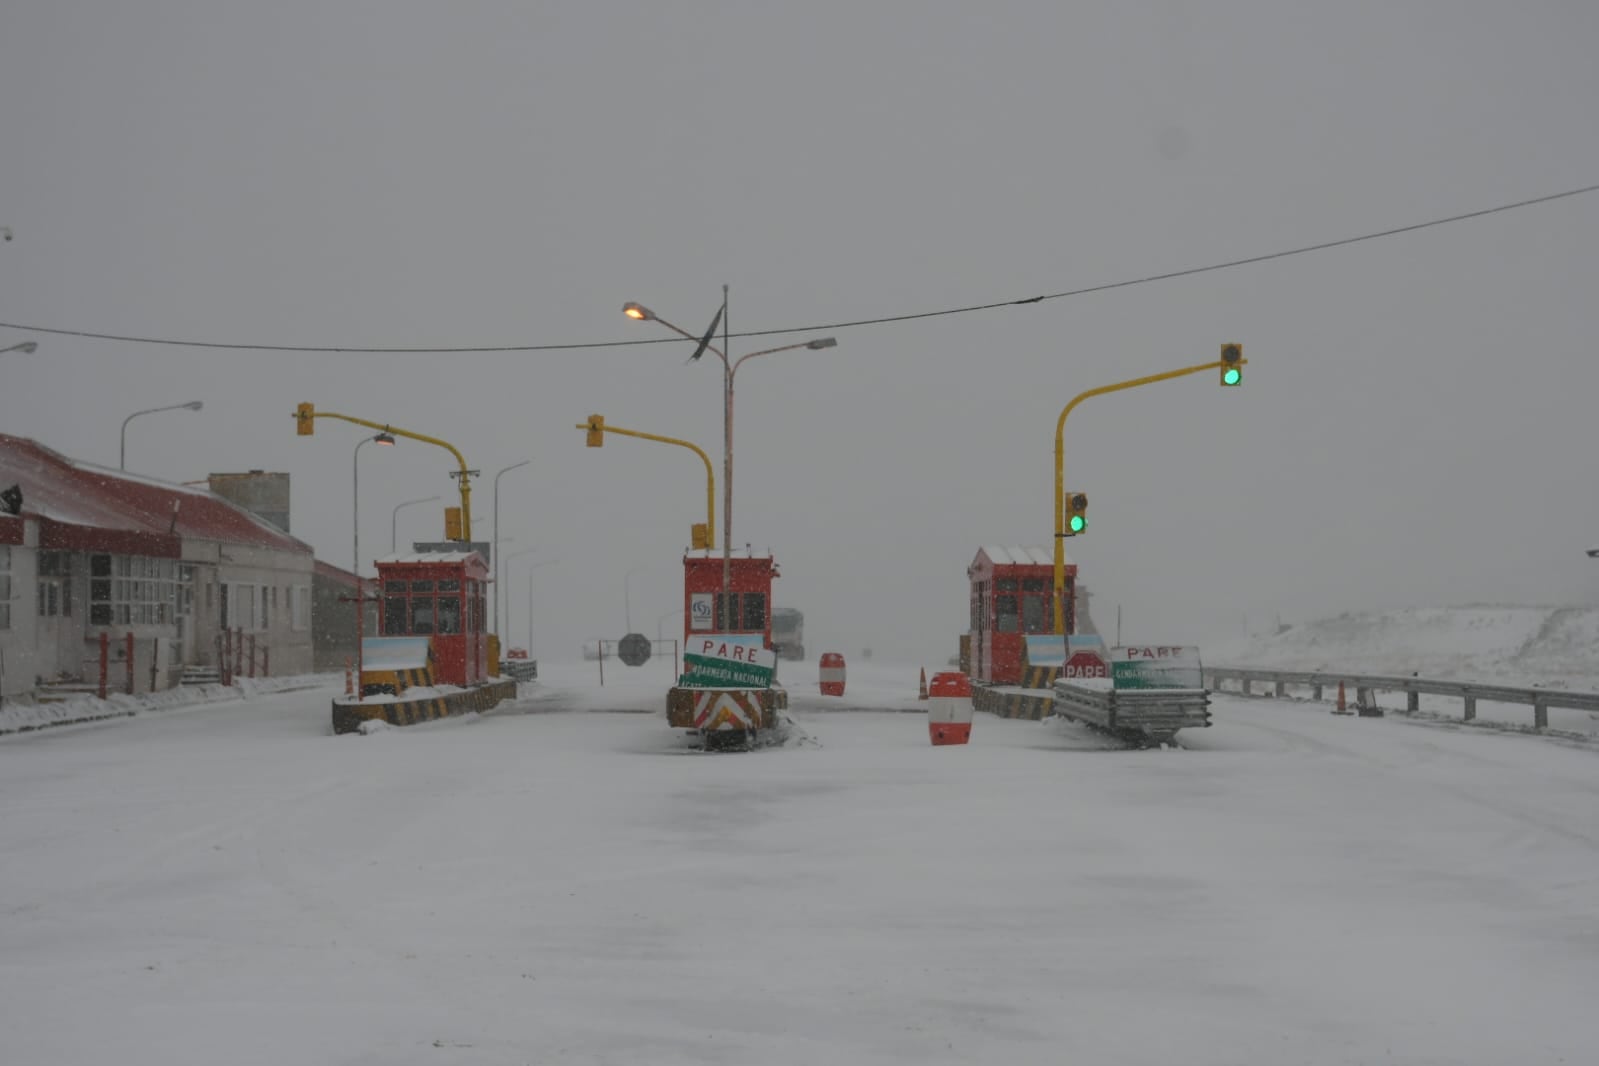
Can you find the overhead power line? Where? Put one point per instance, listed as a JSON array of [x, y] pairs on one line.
[[880, 320]]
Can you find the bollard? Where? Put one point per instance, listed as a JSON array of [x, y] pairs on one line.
[[349, 680], [130, 664], [105, 662], [949, 709], [921, 692], [252, 655], [832, 674]]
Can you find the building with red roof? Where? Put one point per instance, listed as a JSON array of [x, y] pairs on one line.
[[86, 550]]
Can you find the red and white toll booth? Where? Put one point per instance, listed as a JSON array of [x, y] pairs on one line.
[[439, 595], [748, 610], [1010, 599]]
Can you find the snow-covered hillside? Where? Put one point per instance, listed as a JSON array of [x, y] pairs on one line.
[[1556, 647]]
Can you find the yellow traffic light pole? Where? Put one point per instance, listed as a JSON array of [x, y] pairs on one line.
[[306, 412], [596, 428], [1060, 467]]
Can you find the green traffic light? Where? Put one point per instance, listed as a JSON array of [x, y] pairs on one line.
[[1232, 376], [1078, 523]]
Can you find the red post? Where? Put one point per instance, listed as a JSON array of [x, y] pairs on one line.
[[238, 649], [227, 656], [130, 664], [252, 656], [602, 663], [349, 682], [105, 662], [266, 661]]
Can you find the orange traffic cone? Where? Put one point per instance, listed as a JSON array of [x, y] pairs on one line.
[[922, 695], [1342, 708]]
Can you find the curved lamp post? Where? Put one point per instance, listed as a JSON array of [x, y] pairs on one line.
[[122, 459], [386, 440], [25, 347], [502, 470], [639, 313]]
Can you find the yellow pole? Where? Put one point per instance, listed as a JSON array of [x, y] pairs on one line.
[[466, 486], [1060, 471], [710, 475]]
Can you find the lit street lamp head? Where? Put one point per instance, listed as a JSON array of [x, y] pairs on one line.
[[825, 342], [384, 438], [637, 312]]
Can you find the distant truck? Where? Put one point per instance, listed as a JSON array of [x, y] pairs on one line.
[[788, 633]]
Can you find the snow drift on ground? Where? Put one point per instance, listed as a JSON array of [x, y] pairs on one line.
[[1551, 647]]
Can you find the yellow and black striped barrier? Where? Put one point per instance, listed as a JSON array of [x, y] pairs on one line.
[[349, 715], [1031, 705]]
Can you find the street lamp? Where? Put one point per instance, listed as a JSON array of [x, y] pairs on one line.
[[663, 618], [394, 521], [513, 557], [503, 470], [639, 313], [531, 652], [26, 347], [387, 440], [122, 462]]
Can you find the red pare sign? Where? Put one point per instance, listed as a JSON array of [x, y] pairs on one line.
[[1085, 664]]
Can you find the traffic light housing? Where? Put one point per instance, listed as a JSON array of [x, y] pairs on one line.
[[305, 419], [700, 536], [596, 428], [452, 523], [1232, 364], [1076, 513]]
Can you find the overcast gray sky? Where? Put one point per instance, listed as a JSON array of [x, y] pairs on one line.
[[1415, 426]]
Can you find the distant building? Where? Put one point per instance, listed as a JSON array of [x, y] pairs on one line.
[[86, 550], [333, 616]]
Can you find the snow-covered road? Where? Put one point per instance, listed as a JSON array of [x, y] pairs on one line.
[[232, 884]]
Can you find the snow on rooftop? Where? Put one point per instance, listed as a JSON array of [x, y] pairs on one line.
[[427, 557], [1004, 555]]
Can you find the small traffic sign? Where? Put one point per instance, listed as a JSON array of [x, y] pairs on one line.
[[1085, 664], [633, 649]]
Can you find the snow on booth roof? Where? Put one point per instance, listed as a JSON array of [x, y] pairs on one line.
[[428, 557], [1005, 555], [736, 553]]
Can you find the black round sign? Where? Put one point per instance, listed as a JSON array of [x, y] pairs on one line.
[[633, 649]]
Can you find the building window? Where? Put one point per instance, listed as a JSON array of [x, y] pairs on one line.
[[299, 599], [55, 584], [394, 616], [132, 590]]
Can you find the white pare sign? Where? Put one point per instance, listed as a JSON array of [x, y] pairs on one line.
[[1167, 654]]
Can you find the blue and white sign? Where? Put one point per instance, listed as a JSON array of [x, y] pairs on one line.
[[700, 608]]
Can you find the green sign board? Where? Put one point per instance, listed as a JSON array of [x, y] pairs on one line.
[[727, 660], [1155, 666]]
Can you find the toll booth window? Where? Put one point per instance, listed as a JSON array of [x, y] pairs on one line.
[[1035, 606], [421, 615], [1005, 613], [725, 624], [755, 610], [421, 586], [449, 585], [394, 614], [449, 614], [394, 588]]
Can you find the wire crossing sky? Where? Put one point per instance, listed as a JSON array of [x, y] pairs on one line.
[[883, 320]]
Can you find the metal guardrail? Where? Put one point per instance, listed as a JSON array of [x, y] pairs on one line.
[[1156, 713], [1468, 692]]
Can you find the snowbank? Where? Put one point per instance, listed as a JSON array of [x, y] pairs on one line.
[[29, 717]]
